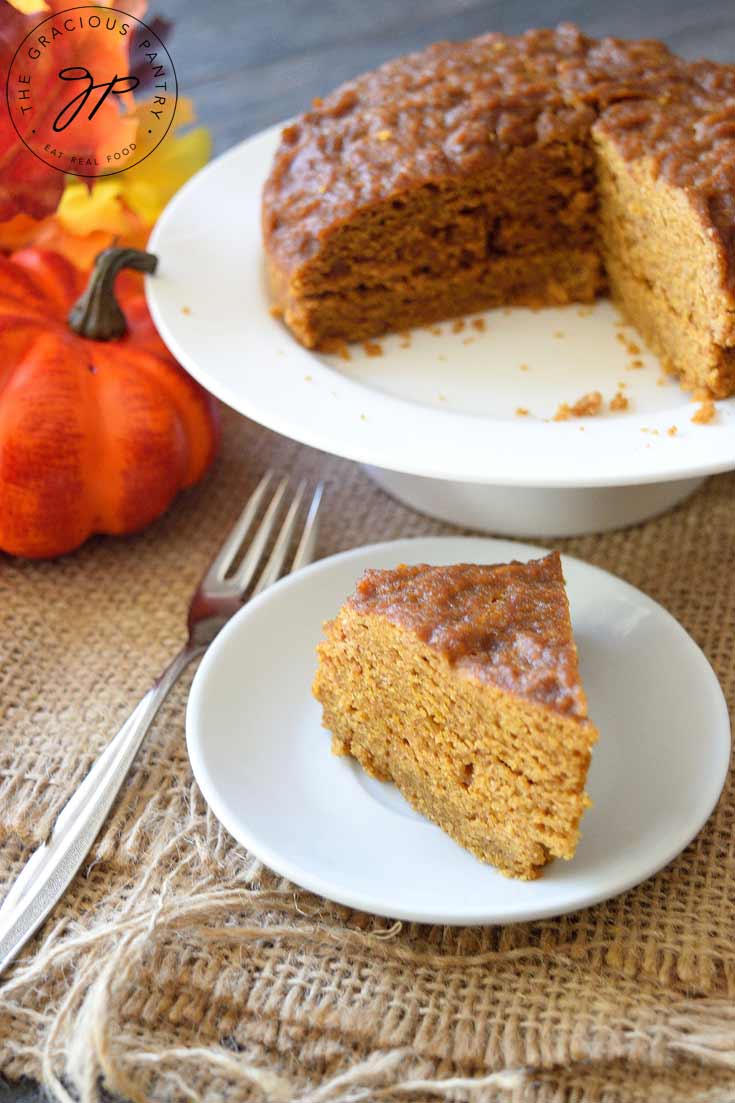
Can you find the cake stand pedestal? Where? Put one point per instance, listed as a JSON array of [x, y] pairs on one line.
[[534, 511]]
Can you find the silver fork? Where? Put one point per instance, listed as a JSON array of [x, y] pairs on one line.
[[220, 593]]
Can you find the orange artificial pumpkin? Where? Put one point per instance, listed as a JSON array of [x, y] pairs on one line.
[[99, 426]]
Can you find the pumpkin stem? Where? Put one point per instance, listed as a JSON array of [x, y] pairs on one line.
[[97, 314]]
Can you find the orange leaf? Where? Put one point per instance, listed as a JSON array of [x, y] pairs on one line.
[[27, 184]]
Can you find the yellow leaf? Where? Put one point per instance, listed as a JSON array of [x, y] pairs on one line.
[[149, 185], [29, 7], [144, 189], [81, 211]]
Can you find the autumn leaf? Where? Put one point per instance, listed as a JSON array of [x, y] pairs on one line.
[[141, 69], [27, 184], [120, 208], [143, 190], [80, 217], [29, 7]]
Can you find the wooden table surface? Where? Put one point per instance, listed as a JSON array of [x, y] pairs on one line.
[[247, 64]]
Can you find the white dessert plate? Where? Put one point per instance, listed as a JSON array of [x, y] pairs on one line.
[[263, 761], [443, 407]]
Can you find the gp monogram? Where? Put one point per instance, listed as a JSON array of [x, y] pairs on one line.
[[70, 91]]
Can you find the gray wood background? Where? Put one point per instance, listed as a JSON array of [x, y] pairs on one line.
[[250, 63]]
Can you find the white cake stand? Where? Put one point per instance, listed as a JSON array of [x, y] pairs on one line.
[[437, 418]]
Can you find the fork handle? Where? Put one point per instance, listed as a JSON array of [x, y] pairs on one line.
[[52, 867]]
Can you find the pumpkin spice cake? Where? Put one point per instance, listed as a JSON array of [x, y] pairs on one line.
[[461, 685], [534, 170]]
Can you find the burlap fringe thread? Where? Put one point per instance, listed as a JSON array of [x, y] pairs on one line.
[[86, 1042]]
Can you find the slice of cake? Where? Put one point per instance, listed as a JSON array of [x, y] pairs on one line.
[[461, 685]]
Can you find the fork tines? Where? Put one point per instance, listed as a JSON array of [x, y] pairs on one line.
[[241, 578]]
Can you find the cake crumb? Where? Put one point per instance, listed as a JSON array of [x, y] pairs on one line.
[[521, 411], [307, 379], [442, 397], [458, 325], [559, 333], [187, 310], [336, 345], [705, 413], [479, 324], [584, 311], [619, 402], [630, 346], [275, 311], [468, 341], [672, 431], [372, 348], [523, 367], [589, 405], [442, 357], [435, 331]]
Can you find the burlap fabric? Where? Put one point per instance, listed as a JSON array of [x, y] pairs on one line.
[[179, 968]]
